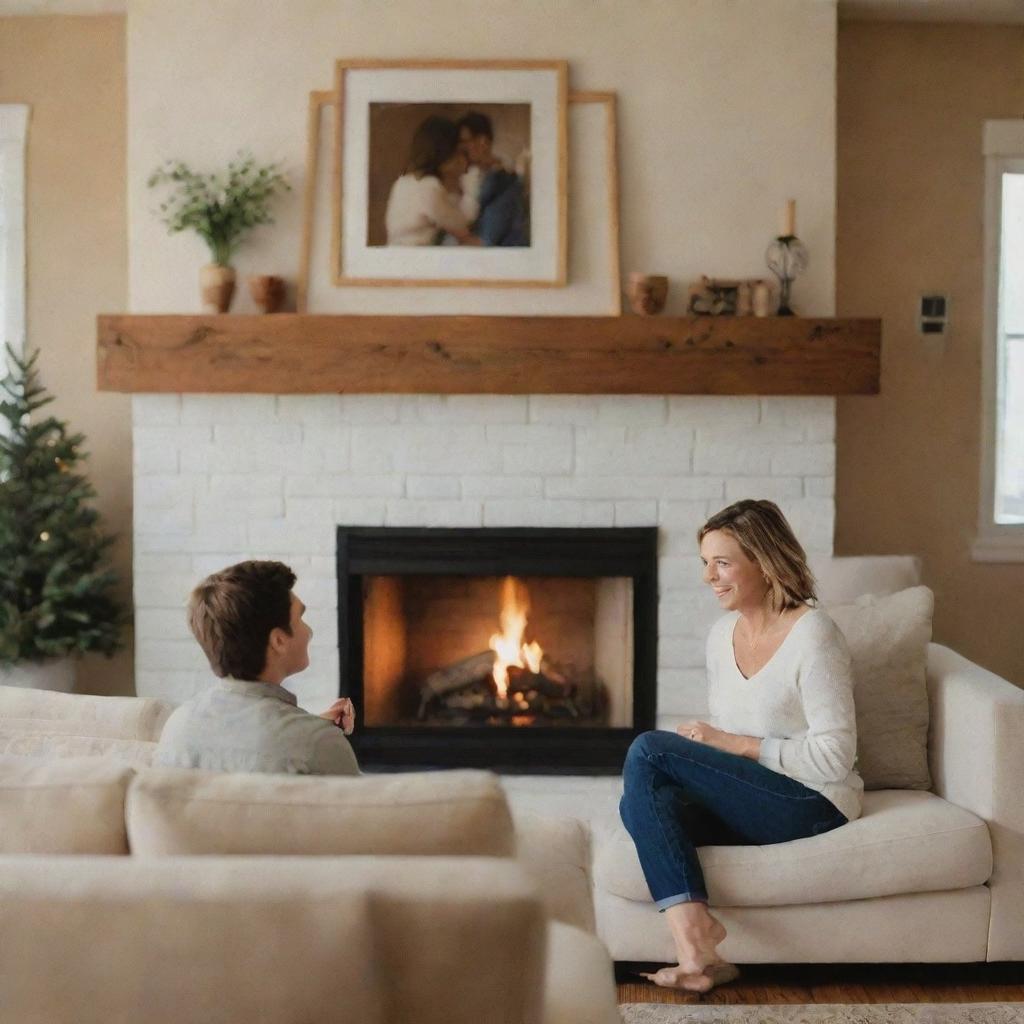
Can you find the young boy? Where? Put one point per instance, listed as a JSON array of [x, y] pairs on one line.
[[249, 624]]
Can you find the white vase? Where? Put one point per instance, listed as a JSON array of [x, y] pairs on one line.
[[54, 674]]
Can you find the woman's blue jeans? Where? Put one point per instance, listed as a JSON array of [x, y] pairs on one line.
[[681, 794]]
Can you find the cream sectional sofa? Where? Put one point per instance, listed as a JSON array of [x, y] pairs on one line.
[[167, 895], [923, 876], [920, 877]]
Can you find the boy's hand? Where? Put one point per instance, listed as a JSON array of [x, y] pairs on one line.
[[342, 714]]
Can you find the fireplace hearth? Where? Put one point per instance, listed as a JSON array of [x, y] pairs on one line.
[[512, 649]]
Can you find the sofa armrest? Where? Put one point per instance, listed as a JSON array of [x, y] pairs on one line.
[[579, 985], [555, 852], [976, 749]]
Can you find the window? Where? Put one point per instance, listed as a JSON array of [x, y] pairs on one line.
[[13, 127], [1009, 492], [1001, 508]]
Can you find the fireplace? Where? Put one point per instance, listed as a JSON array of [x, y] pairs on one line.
[[513, 649]]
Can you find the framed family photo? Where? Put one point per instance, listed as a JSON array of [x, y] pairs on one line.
[[450, 173], [594, 282]]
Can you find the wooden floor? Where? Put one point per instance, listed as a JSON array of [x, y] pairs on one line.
[[843, 983]]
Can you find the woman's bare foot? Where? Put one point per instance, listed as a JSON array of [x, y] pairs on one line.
[[696, 934], [719, 973], [674, 977]]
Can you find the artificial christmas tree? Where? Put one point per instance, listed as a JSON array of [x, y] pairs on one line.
[[56, 590]]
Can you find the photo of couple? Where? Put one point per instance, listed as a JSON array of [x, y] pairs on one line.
[[444, 174]]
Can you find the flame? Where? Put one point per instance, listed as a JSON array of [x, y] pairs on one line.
[[532, 654], [508, 645]]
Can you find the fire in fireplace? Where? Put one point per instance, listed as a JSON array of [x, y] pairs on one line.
[[512, 649], [461, 671]]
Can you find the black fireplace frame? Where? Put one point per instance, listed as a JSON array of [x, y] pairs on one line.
[[488, 551]]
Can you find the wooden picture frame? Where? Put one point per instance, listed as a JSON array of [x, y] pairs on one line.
[[387, 222], [594, 284]]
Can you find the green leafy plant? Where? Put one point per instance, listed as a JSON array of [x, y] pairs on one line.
[[221, 207], [55, 587]]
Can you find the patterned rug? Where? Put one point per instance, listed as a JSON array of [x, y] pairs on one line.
[[826, 1013]]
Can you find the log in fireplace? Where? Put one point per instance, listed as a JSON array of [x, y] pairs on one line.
[[514, 649]]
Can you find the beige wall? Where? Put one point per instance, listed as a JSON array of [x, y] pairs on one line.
[[716, 129], [911, 100], [911, 103], [71, 71]]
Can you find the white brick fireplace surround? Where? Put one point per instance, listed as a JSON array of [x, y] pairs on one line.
[[221, 478]]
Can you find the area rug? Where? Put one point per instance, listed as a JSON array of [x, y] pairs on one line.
[[825, 1013]]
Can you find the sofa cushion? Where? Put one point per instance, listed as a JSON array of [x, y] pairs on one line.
[[67, 806], [60, 738], [128, 718], [181, 811], [905, 842], [888, 639], [844, 579]]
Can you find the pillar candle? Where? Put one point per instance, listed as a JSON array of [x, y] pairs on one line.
[[789, 218]]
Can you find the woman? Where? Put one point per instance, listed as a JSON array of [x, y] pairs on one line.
[[777, 765], [420, 206]]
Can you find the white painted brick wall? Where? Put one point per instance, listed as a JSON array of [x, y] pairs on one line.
[[712, 412], [223, 478]]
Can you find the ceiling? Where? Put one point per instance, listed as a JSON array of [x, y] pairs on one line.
[[15, 7], [993, 11], [1003, 12]]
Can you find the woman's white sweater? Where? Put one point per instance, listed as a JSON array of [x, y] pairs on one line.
[[419, 209], [800, 704]]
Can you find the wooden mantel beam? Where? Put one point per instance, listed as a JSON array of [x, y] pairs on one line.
[[291, 353]]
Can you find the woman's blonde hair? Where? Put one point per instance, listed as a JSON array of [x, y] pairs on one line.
[[764, 535]]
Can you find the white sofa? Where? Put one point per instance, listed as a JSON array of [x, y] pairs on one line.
[[922, 877], [171, 895]]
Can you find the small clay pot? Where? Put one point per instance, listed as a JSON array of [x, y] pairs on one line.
[[647, 293], [217, 287], [267, 292]]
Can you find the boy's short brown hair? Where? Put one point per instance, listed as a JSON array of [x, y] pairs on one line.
[[476, 124], [232, 612]]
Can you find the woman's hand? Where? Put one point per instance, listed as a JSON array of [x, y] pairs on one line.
[[730, 742], [342, 714]]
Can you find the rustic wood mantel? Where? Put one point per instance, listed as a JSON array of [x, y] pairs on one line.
[[291, 353]]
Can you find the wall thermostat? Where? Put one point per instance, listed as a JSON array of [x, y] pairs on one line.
[[933, 315]]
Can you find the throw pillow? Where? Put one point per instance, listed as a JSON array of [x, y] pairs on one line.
[[888, 639], [176, 811], [41, 738], [64, 806], [128, 718]]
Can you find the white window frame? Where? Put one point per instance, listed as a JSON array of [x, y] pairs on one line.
[[1003, 148], [13, 135]]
